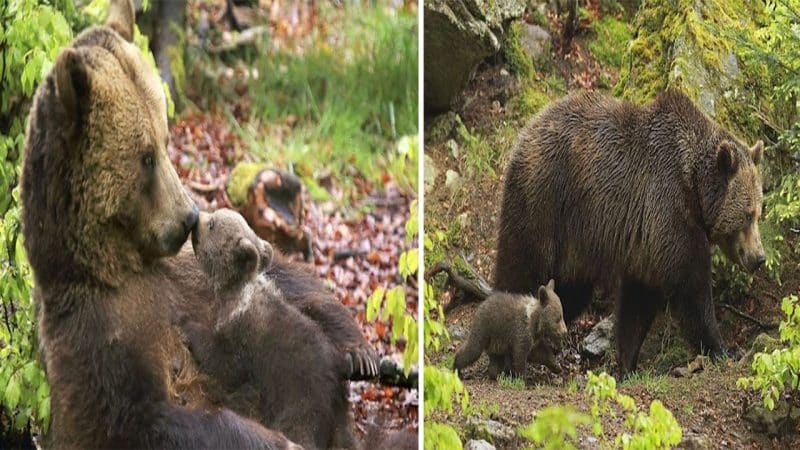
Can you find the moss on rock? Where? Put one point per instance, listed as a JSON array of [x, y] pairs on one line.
[[240, 180], [689, 45], [516, 57]]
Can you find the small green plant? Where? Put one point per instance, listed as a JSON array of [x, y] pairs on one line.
[[391, 303], [655, 429], [555, 428], [509, 382], [779, 371]]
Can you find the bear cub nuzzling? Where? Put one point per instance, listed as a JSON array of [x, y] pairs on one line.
[[281, 356], [514, 328]]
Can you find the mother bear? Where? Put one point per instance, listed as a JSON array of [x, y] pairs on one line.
[[604, 192], [103, 214]]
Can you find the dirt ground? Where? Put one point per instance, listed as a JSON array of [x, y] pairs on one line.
[[461, 217]]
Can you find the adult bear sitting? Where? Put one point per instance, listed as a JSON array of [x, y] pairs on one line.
[[102, 209]]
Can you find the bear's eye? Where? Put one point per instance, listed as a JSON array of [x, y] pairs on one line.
[[148, 161]]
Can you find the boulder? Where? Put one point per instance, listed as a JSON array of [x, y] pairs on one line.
[[536, 42], [597, 342], [458, 35], [491, 431], [479, 444]]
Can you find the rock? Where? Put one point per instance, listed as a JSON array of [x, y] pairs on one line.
[[536, 42], [694, 441], [441, 128], [490, 430], [480, 444], [699, 364], [458, 35], [680, 372], [504, 73], [783, 417], [431, 172], [763, 343], [452, 145], [599, 339], [452, 181]]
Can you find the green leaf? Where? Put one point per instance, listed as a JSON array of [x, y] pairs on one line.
[[12, 393]]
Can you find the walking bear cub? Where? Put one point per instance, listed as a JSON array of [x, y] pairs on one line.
[[513, 328], [260, 345]]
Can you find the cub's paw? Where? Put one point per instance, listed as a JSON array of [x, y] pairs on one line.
[[361, 363]]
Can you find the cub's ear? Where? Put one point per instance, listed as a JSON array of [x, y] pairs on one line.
[[551, 285], [72, 81], [121, 17], [266, 254], [727, 162], [542, 296], [757, 151], [246, 256]]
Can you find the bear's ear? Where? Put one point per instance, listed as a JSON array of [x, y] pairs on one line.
[[266, 254], [542, 296], [551, 285], [246, 256], [727, 162], [72, 81], [757, 151], [121, 17]]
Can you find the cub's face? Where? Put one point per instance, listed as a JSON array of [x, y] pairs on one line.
[[736, 227], [551, 326], [228, 250]]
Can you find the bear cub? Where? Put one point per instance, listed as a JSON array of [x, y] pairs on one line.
[[513, 329], [262, 346]]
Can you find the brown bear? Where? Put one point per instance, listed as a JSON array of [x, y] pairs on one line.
[[101, 206], [601, 192], [281, 356], [513, 329]]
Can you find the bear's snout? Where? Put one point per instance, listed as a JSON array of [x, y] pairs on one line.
[[190, 221]]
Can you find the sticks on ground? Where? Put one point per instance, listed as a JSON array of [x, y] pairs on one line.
[[763, 325], [472, 288]]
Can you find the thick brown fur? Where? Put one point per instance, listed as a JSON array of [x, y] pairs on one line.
[[512, 329], [101, 207], [279, 356], [601, 192]]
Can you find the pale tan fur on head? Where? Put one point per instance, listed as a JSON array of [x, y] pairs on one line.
[[130, 205], [736, 227]]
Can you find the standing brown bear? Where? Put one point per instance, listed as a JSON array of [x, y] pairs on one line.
[[102, 208], [512, 329], [283, 359], [600, 191]]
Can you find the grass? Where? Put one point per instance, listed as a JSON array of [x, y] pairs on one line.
[[353, 99], [345, 104], [509, 382], [656, 385]]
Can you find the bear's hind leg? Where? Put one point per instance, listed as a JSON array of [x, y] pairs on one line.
[[469, 352], [636, 309]]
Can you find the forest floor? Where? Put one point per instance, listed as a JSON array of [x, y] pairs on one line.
[[462, 202]]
